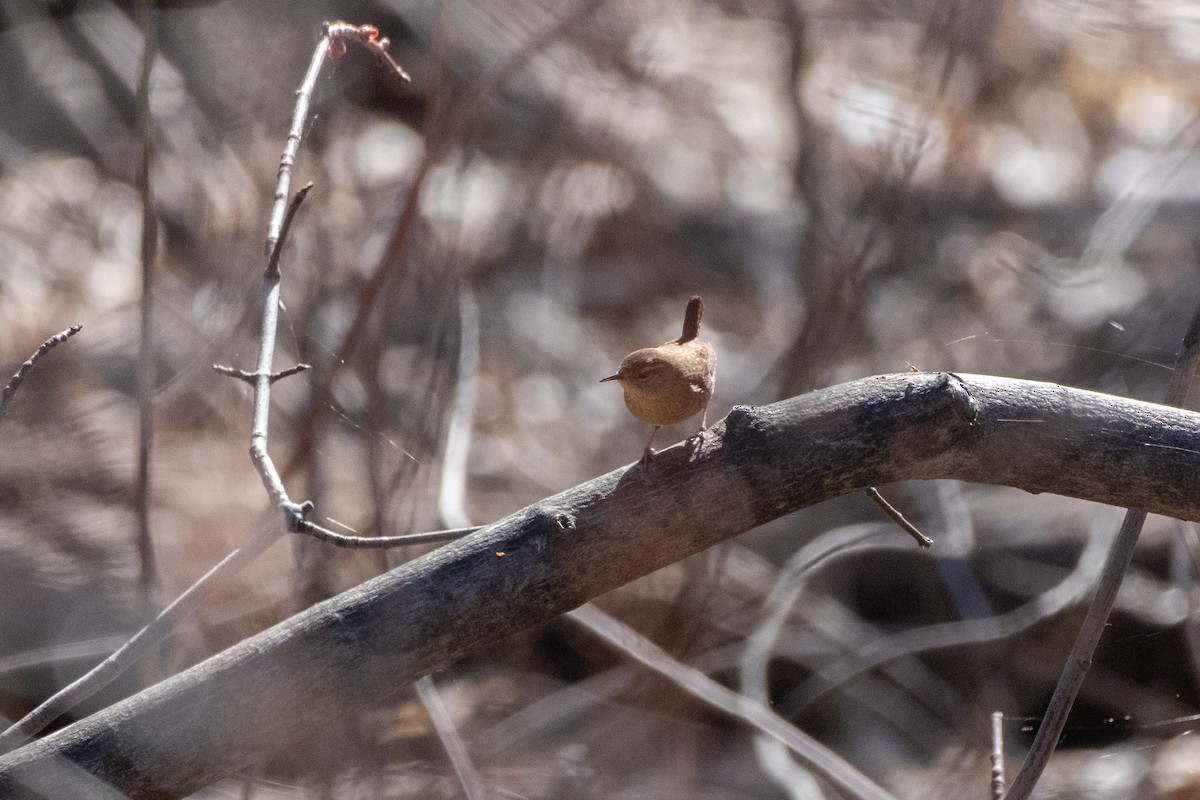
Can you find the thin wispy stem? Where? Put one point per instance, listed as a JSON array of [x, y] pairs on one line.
[[14, 383]]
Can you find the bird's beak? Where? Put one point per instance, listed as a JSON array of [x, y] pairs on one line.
[[616, 377]]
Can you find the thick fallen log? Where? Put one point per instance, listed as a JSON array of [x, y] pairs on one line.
[[305, 679]]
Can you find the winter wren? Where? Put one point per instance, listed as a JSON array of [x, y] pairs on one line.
[[669, 383]]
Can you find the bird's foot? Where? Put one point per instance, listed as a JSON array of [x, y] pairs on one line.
[[647, 459]]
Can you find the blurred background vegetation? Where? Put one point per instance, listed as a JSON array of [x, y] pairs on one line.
[[854, 187]]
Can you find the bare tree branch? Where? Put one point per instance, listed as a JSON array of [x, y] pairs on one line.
[[313, 672]]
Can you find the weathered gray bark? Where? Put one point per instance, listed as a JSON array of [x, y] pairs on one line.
[[316, 670]]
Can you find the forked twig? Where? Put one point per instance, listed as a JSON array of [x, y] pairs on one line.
[[443, 131], [282, 214], [332, 45], [285, 227], [251, 377], [14, 383]]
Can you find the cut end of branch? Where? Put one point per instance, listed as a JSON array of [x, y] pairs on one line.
[[924, 541]]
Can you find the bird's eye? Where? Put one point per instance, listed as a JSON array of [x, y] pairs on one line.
[[644, 372]]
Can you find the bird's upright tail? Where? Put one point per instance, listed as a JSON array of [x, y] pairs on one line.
[[691, 319]]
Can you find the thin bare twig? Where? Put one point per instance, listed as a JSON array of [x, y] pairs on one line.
[[453, 489], [367, 36], [452, 509], [288, 217], [875, 650], [67, 651], [128, 654], [456, 749], [332, 44], [14, 383], [146, 349], [288, 160], [760, 645], [898, 518], [250, 377], [819, 759], [379, 542], [1079, 661]]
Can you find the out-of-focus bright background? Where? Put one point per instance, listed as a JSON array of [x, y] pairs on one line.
[[854, 188]]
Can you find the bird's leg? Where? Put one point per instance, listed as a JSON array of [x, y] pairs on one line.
[[694, 441], [648, 454]]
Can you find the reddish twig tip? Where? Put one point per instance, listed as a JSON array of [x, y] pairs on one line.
[[367, 36]]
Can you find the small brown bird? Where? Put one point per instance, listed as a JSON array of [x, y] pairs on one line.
[[667, 384]]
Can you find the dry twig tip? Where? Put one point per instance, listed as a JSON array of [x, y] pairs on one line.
[[17, 379], [367, 36]]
